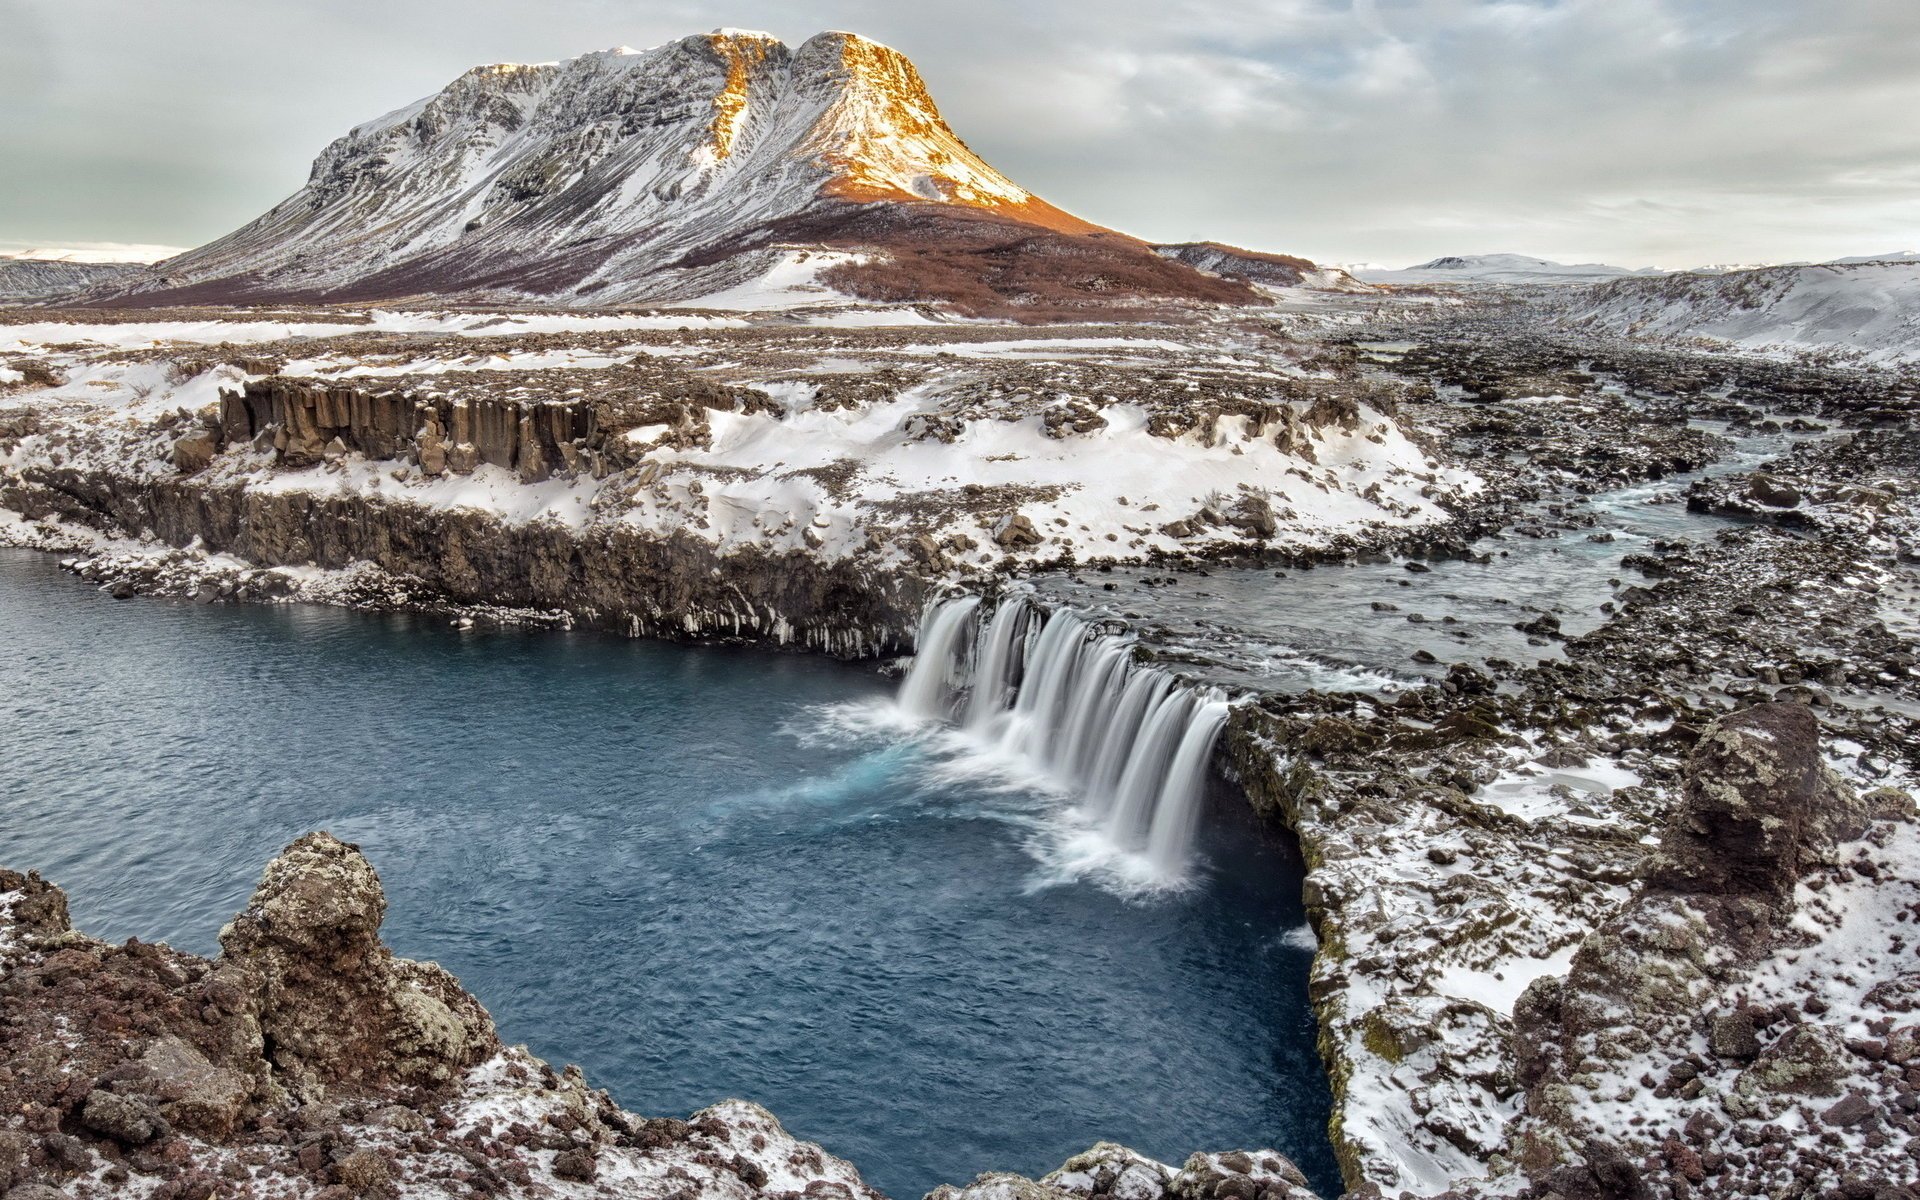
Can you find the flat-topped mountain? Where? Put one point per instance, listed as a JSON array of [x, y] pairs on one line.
[[672, 174]]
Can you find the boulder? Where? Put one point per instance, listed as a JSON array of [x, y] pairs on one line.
[[194, 451], [1253, 515], [1241, 1175], [1106, 1169], [194, 1094], [1767, 490], [1759, 808], [1012, 532], [130, 1119]]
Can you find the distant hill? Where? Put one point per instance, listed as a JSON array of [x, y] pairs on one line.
[[1469, 269]]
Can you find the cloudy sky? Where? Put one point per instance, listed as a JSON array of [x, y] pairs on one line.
[[1641, 132]]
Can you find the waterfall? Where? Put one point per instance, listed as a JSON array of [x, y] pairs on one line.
[[1178, 809], [937, 670], [997, 664], [1132, 741], [1146, 770]]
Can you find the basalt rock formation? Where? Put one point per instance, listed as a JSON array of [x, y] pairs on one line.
[[669, 175]]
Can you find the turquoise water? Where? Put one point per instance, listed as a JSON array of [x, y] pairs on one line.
[[697, 872]]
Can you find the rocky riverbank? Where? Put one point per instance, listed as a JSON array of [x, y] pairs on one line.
[[307, 1060], [1520, 976]]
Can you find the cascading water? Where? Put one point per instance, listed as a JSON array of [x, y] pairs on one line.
[[998, 663], [1131, 740], [945, 632], [1178, 810]]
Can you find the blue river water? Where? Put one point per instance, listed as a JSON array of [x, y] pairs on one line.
[[697, 872]]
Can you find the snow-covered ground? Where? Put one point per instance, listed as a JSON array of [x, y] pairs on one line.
[[949, 438]]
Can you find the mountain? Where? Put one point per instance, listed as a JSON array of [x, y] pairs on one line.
[[1894, 256], [667, 175], [1271, 271], [1869, 309], [1472, 269], [25, 280]]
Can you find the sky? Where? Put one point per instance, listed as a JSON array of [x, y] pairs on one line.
[[1668, 133]]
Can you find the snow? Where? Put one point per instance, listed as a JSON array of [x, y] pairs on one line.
[[1499, 986], [31, 337], [1868, 311], [487, 488], [95, 253], [791, 282], [1534, 792], [1109, 482]]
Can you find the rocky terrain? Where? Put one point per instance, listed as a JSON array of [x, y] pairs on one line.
[[1547, 895], [1621, 915]]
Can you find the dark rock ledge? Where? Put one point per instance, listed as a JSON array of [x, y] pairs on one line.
[[308, 1060]]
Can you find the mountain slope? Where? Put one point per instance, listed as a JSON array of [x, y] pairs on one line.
[[38, 280], [664, 175], [1273, 271], [1870, 309]]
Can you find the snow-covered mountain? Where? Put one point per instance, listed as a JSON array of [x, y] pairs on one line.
[[1870, 309], [1496, 268], [668, 175], [1893, 256]]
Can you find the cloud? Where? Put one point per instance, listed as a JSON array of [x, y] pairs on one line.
[[1670, 131]]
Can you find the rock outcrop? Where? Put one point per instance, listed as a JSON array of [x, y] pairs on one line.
[[336, 1005], [310, 1061]]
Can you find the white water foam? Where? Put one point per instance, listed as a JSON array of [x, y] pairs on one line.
[[1055, 705]]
